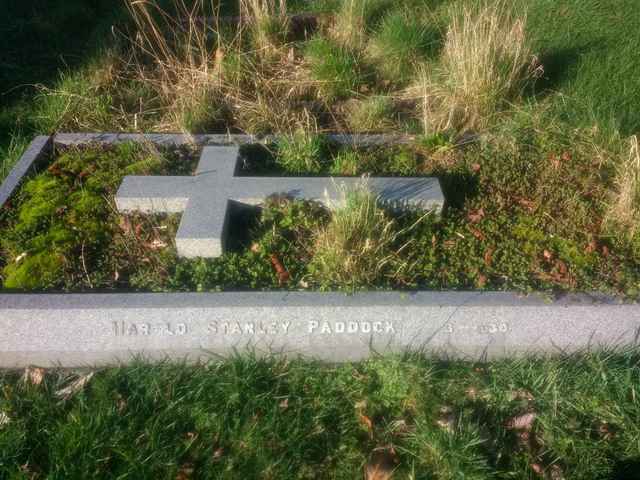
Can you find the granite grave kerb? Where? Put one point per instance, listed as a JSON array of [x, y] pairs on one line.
[[75, 330], [203, 199]]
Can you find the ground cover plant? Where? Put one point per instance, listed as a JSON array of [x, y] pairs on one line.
[[575, 418], [529, 209]]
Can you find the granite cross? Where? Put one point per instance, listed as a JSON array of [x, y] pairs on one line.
[[203, 199]]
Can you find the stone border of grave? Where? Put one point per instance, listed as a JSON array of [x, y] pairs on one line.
[[76, 330]]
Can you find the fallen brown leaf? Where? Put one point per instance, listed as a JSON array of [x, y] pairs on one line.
[[75, 386], [475, 216], [477, 233], [381, 465], [537, 468], [521, 422], [488, 256], [367, 422], [281, 272], [33, 375]]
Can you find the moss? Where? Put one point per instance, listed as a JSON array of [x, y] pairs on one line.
[[63, 223], [38, 271]]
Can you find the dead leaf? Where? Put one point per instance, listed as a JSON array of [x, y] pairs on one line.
[[528, 205], [481, 281], [381, 465], [477, 233], [476, 167], [537, 468], [284, 404], [4, 419], [605, 251], [282, 273], [488, 256], [556, 473], [75, 386], [367, 422], [521, 422], [217, 453], [157, 244], [591, 247], [475, 216], [33, 375], [185, 472]]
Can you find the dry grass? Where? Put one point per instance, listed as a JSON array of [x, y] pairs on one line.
[[178, 55], [624, 211], [269, 22], [485, 64], [359, 247]]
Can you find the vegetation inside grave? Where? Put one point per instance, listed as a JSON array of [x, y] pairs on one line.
[[575, 418], [528, 209]]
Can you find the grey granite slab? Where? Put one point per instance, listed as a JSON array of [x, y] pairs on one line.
[[36, 151], [76, 139], [204, 197], [74, 330]]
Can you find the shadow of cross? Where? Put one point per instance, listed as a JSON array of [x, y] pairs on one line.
[[203, 199]]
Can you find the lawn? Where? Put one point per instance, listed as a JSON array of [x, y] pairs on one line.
[[573, 418]]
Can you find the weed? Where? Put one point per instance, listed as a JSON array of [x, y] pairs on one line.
[[334, 68], [268, 21], [624, 210], [358, 247], [398, 46], [302, 152], [372, 114], [485, 63]]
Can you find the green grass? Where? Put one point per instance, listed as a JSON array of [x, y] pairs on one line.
[[248, 418], [335, 68]]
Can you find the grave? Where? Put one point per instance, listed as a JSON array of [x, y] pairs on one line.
[[102, 328], [203, 199]]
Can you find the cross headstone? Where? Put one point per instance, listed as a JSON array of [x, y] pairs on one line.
[[203, 199]]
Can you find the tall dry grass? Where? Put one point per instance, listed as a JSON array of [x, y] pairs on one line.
[[485, 63], [624, 211], [178, 55], [268, 21]]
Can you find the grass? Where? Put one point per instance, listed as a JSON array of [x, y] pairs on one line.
[[573, 417], [485, 64], [335, 68]]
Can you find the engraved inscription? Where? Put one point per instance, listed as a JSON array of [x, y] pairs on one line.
[[132, 329], [253, 328], [486, 328], [350, 327], [248, 328]]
